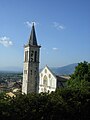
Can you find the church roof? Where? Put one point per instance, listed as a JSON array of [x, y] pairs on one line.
[[10, 94], [46, 67], [32, 39], [59, 78]]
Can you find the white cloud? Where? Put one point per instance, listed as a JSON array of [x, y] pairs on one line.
[[61, 27], [29, 24], [55, 48], [58, 26], [5, 41]]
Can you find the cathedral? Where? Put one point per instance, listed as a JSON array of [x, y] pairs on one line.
[[33, 81]]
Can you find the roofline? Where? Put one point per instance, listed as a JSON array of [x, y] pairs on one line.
[[29, 45], [49, 70]]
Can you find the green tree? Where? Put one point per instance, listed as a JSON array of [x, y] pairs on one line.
[[81, 77], [69, 103], [82, 71]]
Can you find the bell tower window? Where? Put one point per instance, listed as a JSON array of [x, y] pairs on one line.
[[26, 56], [35, 58]]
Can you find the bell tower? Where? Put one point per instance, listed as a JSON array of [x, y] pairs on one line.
[[30, 82]]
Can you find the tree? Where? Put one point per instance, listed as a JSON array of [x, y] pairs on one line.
[[69, 103], [82, 71], [81, 77]]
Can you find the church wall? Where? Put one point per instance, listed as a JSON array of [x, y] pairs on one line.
[[47, 81]]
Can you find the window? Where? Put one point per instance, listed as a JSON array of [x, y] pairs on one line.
[[45, 71], [26, 56], [31, 72], [35, 57], [32, 53], [25, 71], [45, 80], [35, 72], [41, 75], [49, 75]]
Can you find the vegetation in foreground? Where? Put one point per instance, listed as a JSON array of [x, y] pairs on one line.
[[69, 103]]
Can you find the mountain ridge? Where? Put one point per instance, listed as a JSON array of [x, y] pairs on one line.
[[65, 70]]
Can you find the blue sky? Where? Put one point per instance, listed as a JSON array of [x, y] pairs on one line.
[[62, 29]]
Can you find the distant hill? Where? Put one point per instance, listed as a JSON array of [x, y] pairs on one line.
[[66, 70]]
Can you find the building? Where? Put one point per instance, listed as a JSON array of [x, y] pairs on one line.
[[33, 82], [10, 94], [48, 81], [30, 82]]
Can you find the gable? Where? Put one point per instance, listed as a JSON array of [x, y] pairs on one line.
[[48, 72], [47, 79]]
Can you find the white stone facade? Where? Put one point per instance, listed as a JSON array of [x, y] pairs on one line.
[[47, 81]]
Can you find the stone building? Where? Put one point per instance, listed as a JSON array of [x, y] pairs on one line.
[[31, 65], [48, 81], [33, 82]]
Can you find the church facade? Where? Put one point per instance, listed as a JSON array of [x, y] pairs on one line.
[[48, 81]]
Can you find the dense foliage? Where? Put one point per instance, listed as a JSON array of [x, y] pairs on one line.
[[82, 71], [69, 103], [81, 76]]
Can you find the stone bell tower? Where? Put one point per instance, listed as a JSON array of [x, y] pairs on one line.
[[30, 82]]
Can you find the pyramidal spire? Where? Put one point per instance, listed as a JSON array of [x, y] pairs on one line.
[[32, 39]]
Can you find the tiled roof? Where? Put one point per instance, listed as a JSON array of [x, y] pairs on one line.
[[60, 78], [10, 94]]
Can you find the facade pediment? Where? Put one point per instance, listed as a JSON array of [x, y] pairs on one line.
[[48, 81]]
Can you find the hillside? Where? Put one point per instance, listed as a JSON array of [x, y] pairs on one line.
[[65, 70]]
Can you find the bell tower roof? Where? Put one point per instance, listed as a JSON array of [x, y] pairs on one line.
[[32, 39]]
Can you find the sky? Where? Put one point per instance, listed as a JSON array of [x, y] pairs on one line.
[[62, 29]]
